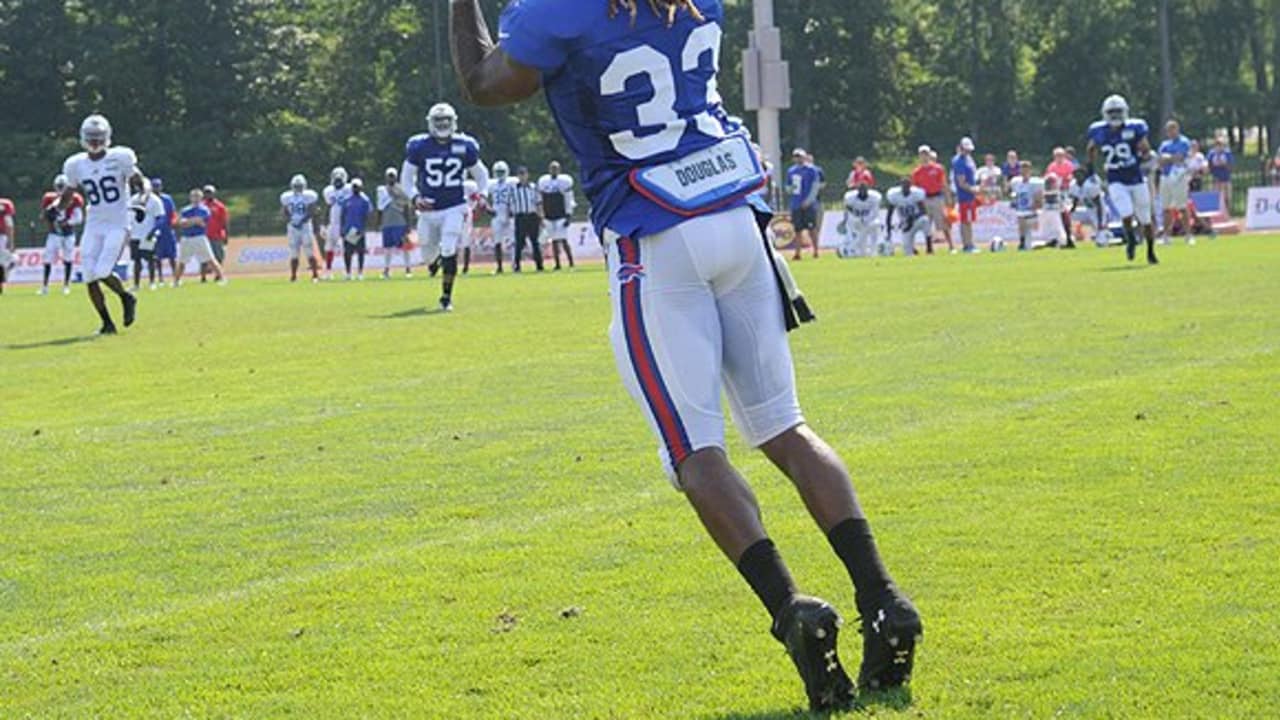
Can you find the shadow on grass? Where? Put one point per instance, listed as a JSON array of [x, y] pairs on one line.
[[412, 313], [53, 343], [1124, 268], [874, 703]]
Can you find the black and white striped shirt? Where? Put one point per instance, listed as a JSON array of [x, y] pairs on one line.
[[524, 199]]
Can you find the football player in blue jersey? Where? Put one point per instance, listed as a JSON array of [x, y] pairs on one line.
[[435, 164], [633, 87], [1124, 144]]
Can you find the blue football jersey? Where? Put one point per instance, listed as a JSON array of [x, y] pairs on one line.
[[440, 167], [624, 96], [1119, 148]]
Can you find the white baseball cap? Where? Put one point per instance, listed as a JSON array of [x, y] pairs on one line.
[[923, 149], [798, 151], [966, 143]]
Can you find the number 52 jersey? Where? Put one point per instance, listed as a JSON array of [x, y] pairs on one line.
[[626, 96], [105, 185]]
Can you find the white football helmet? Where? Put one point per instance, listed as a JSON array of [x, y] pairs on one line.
[[60, 183], [501, 170], [338, 177], [1115, 110], [298, 183], [95, 133], [442, 120]]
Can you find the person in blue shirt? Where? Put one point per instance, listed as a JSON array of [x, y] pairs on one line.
[[964, 176], [166, 238], [804, 183], [1221, 162], [696, 302], [356, 208], [1124, 145], [432, 176], [192, 223], [1175, 182]]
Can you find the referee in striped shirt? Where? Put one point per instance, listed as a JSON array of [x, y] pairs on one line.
[[525, 205]]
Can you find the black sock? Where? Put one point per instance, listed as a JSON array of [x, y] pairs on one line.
[[47, 270], [855, 546], [447, 286], [767, 575]]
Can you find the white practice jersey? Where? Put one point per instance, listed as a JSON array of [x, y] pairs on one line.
[[145, 211], [906, 206], [500, 197], [299, 206], [562, 184], [865, 210], [335, 197], [1053, 196], [1025, 192], [105, 185], [1088, 192]]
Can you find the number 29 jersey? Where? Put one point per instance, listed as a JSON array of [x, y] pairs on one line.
[[1119, 148], [625, 95], [439, 167], [105, 185]]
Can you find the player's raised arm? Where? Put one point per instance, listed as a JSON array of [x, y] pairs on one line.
[[487, 75]]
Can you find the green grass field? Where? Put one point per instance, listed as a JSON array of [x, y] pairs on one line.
[[325, 501]]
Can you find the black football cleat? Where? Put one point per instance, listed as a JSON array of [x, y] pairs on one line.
[[808, 627], [1152, 259], [1130, 248], [803, 312], [446, 304], [108, 329], [889, 639], [130, 302]]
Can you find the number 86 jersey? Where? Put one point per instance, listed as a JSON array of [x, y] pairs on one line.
[[627, 95], [104, 183]]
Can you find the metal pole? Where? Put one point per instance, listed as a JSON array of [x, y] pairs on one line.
[[1166, 64], [435, 25], [768, 117]]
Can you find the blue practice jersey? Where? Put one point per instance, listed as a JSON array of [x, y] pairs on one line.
[[1119, 148], [355, 213], [441, 166], [800, 182], [165, 225], [625, 96], [195, 211], [1180, 149]]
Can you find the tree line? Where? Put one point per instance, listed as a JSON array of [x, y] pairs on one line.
[[247, 92]]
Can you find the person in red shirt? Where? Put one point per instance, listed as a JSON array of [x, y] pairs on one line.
[[1064, 169], [931, 177], [60, 243], [8, 237], [861, 174], [216, 230]]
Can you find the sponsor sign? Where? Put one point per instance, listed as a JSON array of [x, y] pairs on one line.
[[1264, 209]]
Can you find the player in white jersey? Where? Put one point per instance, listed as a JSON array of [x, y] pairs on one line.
[[558, 203], [861, 226], [907, 202], [102, 172], [146, 211], [502, 226], [1086, 192], [298, 206], [1051, 214], [335, 193], [475, 206], [1027, 197]]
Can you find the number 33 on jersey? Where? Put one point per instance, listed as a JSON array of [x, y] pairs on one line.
[[655, 104]]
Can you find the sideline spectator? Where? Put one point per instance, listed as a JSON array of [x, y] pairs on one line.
[[861, 174], [216, 230], [1062, 169], [556, 192], [393, 217], [1274, 171], [1175, 182], [1221, 163], [932, 179], [524, 205], [166, 238], [7, 213], [1197, 166], [804, 183], [990, 181], [1010, 169], [192, 222], [355, 215], [964, 175], [1027, 197]]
